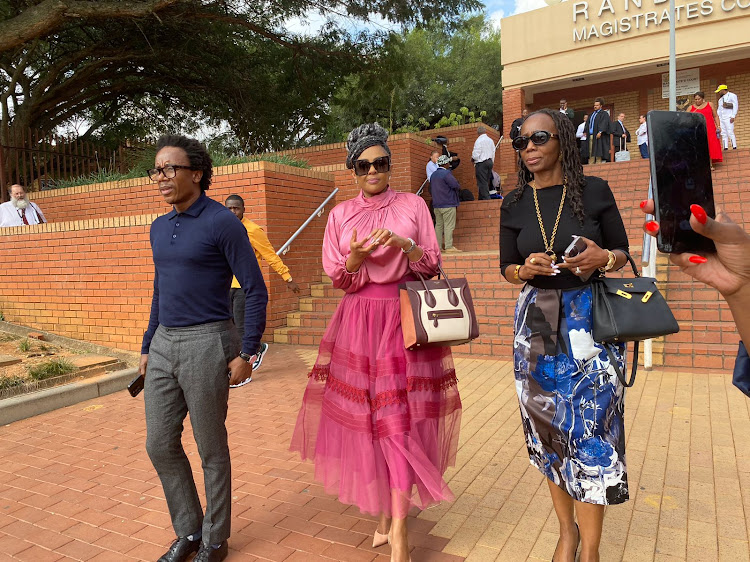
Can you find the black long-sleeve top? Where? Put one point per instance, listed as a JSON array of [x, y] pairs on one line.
[[520, 235]]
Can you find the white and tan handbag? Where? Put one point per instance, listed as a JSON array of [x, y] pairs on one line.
[[437, 312]]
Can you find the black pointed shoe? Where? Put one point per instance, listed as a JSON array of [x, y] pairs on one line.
[[180, 550], [207, 553]]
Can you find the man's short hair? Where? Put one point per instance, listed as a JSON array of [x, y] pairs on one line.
[[481, 130], [436, 151], [10, 189], [196, 153], [563, 100], [235, 198], [600, 100]]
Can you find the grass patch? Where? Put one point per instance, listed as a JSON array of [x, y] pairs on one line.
[[52, 368], [24, 345], [10, 382]]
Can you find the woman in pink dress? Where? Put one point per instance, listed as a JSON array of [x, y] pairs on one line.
[[380, 422], [700, 105]]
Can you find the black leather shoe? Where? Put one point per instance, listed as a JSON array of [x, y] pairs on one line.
[[180, 550], [209, 554]]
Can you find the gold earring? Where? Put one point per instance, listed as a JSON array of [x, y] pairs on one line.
[[559, 157]]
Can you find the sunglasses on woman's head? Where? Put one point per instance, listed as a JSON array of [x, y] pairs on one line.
[[362, 167], [537, 137]]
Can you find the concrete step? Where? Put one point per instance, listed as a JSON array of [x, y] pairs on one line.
[[89, 361]]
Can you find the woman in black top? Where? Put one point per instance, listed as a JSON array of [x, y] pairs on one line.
[[570, 397]]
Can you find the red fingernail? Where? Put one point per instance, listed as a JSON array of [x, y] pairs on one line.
[[652, 226], [697, 259], [699, 213], [643, 203]]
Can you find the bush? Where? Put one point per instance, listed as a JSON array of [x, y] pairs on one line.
[[10, 382], [53, 368], [146, 161]]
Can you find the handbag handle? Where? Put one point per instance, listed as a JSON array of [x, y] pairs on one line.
[[429, 298], [632, 263], [633, 367]]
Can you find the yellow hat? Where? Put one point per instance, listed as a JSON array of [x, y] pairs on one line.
[[720, 88]]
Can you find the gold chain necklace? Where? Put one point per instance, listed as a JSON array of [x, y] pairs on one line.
[[548, 245]]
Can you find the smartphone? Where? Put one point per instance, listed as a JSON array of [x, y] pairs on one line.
[[680, 176], [136, 385], [575, 248]]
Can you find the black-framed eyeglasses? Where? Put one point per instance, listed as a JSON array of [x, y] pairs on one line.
[[537, 137], [362, 167], [169, 171]]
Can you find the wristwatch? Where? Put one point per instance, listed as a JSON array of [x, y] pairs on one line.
[[245, 357]]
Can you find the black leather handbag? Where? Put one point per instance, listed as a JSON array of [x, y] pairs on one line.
[[629, 310]]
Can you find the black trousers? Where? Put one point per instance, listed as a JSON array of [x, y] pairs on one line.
[[483, 172]]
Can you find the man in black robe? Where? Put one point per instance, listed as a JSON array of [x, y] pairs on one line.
[[599, 136]]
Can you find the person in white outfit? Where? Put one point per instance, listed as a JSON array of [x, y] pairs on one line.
[[19, 211], [642, 135], [726, 108]]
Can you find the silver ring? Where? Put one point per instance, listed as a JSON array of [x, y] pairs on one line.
[[578, 270], [390, 233]]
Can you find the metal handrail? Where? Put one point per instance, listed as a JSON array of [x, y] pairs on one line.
[[421, 188], [317, 212]]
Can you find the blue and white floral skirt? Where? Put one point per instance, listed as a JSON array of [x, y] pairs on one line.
[[570, 397]]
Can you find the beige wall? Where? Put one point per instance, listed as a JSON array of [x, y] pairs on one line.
[[540, 52]]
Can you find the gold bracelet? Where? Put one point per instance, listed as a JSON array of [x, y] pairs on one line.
[[515, 273], [610, 262]]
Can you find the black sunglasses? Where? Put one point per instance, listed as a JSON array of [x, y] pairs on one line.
[[362, 167], [537, 137]]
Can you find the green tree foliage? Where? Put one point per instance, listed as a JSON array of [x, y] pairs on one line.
[[146, 66], [428, 76]]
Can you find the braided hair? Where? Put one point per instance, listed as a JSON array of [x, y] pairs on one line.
[[363, 137], [572, 167]]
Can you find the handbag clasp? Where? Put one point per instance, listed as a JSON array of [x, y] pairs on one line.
[[624, 295], [646, 296]]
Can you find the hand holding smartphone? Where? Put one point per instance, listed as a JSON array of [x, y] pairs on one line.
[[681, 177], [575, 248]]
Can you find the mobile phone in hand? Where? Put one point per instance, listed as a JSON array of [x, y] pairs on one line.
[[575, 248], [680, 177], [136, 385]]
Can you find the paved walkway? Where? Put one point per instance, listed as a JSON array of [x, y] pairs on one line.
[[76, 484]]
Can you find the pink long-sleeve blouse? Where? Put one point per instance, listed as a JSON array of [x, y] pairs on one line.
[[404, 213]]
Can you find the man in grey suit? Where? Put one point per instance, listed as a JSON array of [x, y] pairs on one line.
[[191, 351]]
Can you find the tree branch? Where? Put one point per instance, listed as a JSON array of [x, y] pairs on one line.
[[44, 18]]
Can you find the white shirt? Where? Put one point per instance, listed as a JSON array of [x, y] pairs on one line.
[[729, 97], [642, 134], [10, 216], [484, 149], [580, 133], [431, 167]]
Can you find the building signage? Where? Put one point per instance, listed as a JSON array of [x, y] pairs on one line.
[[617, 17], [688, 82]]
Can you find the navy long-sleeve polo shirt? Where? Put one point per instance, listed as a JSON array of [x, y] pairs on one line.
[[195, 253]]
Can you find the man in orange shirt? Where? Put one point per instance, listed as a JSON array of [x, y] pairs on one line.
[[263, 249]]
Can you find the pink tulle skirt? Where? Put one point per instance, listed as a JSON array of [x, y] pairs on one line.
[[380, 422]]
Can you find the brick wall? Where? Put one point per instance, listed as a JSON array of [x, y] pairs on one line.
[[93, 279]]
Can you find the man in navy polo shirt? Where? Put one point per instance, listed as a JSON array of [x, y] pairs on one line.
[[191, 350]]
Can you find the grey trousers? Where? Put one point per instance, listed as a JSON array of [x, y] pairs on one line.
[[445, 223], [187, 372], [237, 306]]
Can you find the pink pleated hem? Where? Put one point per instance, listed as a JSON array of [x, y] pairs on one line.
[[376, 418]]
